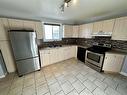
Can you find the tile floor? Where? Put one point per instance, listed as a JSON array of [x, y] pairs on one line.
[[70, 77]]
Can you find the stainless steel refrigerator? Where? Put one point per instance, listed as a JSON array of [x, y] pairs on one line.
[[25, 50]]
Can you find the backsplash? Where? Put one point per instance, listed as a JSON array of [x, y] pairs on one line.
[[115, 43], [86, 42], [64, 41]]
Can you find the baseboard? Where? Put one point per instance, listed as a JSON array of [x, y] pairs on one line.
[[122, 73]]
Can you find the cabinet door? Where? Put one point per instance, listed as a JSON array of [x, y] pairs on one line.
[[108, 26], [86, 30], [68, 29], [3, 32], [29, 25], [75, 31], [45, 57], [97, 28], [120, 29], [108, 62], [66, 53], [113, 62], [82, 29], [54, 55], [15, 24], [8, 56], [60, 54], [39, 30], [73, 50]]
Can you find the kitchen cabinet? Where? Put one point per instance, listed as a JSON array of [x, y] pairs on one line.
[[54, 55], [30, 25], [39, 29], [85, 30], [3, 32], [15, 24], [113, 62], [103, 28], [60, 54], [68, 29], [108, 26], [45, 57], [7, 55], [97, 27], [120, 29], [75, 31]]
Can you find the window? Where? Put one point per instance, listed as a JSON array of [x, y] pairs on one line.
[[52, 32]]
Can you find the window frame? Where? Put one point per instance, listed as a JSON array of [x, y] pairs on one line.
[[52, 24]]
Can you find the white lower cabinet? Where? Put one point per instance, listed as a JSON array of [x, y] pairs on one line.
[[54, 55], [45, 57], [113, 62]]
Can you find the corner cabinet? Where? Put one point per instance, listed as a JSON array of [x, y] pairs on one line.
[[75, 31], [68, 29], [85, 30], [113, 62], [120, 29]]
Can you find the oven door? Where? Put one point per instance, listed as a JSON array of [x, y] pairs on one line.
[[94, 58]]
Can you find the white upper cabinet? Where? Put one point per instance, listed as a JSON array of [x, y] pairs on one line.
[[108, 26], [15, 24], [86, 30], [3, 32], [120, 29], [75, 31], [97, 27], [68, 29], [39, 29], [103, 28], [28, 25]]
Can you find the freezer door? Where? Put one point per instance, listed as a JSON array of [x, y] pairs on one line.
[[28, 65], [23, 44]]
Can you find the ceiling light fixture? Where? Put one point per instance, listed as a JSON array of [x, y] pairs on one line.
[[65, 4]]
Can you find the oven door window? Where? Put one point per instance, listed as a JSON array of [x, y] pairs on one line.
[[93, 57]]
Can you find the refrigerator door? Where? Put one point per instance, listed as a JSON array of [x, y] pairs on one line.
[[23, 44], [28, 65], [3, 70]]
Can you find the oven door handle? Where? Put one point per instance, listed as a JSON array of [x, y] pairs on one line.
[[94, 53]]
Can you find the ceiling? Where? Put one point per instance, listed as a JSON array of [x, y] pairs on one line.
[[79, 11]]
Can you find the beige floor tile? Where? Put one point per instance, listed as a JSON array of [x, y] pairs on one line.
[[29, 90], [86, 92], [60, 93], [100, 84], [98, 91], [67, 87], [110, 91], [90, 85], [51, 80], [111, 83], [81, 77], [42, 89], [55, 88], [74, 92], [78, 86]]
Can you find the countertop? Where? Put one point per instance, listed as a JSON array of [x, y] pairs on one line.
[[48, 48], [118, 51], [114, 51]]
